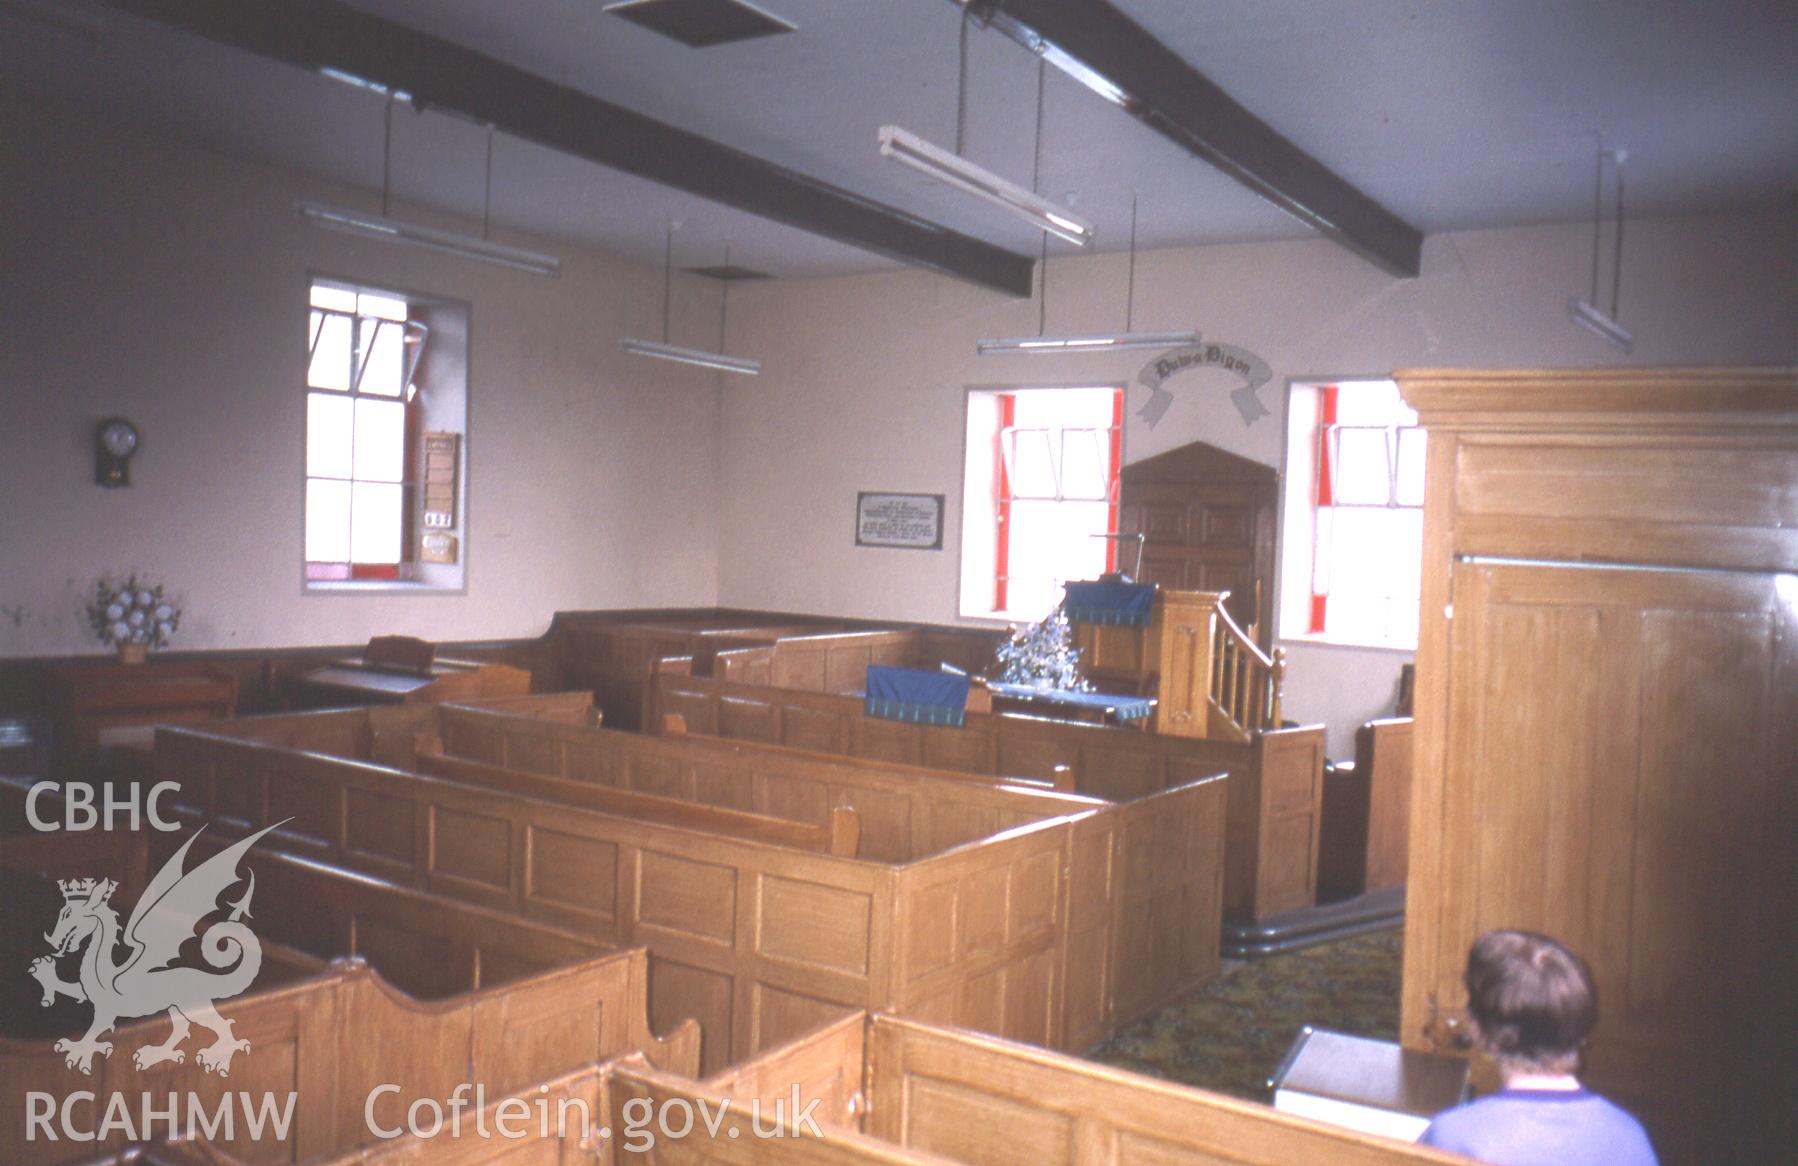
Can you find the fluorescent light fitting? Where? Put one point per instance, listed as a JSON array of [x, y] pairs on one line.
[[696, 356], [1043, 345], [1601, 325], [369, 226], [356, 82], [904, 146]]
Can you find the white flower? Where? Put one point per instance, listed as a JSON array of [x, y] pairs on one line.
[[164, 630], [120, 630], [163, 611], [114, 611], [145, 599], [136, 618]]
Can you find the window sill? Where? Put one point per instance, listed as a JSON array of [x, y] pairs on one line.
[[1339, 642], [378, 586]]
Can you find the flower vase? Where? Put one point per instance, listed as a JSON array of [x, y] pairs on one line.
[[130, 653]]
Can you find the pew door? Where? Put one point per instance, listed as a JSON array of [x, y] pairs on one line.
[[1620, 773]]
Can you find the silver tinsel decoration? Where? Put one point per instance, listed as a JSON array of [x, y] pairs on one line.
[[1043, 655]]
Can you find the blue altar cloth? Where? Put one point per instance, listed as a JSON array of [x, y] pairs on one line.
[[1124, 708], [916, 694], [1103, 602]]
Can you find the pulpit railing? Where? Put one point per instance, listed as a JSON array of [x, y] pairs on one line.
[[1246, 683]]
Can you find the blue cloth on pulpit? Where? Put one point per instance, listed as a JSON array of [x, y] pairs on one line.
[[1105, 602], [918, 695]]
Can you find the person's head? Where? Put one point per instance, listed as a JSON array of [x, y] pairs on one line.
[[1532, 1001]]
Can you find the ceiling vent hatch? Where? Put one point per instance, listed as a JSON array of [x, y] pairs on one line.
[[701, 23], [729, 272]]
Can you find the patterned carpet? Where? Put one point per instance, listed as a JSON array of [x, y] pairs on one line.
[[1230, 1035]]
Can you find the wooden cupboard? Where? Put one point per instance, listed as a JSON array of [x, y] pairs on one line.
[[1607, 722]]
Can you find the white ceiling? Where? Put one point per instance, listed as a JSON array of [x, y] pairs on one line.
[[1454, 114]]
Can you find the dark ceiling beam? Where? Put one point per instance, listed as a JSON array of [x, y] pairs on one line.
[[1109, 53], [320, 34]]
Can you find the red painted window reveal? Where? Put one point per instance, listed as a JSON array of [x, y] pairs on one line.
[[1326, 417], [1117, 459], [1008, 411]]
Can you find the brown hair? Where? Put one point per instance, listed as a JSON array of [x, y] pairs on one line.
[[1532, 999]]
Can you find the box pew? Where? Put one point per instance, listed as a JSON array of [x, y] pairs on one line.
[[974, 1099], [333, 1037], [756, 941], [1275, 788], [822, 662], [890, 1092], [305, 915], [615, 654], [906, 812], [1367, 807], [607, 1113], [533, 1001], [1145, 880], [838, 835]]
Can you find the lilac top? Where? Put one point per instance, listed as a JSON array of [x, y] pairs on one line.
[[1542, 1127]]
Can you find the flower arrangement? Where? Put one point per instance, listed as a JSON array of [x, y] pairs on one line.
[[135, 613], [1043, 655]]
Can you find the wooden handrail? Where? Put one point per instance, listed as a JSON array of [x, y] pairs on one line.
[[1246, 683]]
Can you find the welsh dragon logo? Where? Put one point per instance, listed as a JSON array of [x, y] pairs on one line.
[[149, 980]]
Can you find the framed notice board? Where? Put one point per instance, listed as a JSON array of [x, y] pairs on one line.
[[909, 521]]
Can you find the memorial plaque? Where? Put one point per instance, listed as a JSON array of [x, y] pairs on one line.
[[909, 521]]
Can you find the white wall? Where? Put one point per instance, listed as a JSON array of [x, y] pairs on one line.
[[167, 284], [864, 381]]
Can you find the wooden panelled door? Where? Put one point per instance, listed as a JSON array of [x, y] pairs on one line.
[[1637, 816], [1207, 520]]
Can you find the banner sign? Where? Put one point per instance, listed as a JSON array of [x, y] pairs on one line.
[[1252, 368]]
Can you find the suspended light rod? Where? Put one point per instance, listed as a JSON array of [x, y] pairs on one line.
[[696, 356], [367, 226], [904, 146], [1053, 344]]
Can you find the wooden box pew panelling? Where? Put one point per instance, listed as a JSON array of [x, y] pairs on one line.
[[836, 836], [306, 914], [1366, 812], [1143, 906], [754, 940], [615, 654], [838, 662], [555, 1123], [331, 1038], [744, 1136], [385, 733], [906, 812], [974, 1099], [615, 657], [1275, 791]]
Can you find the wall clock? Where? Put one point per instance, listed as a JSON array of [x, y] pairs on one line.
[[115, 440]]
